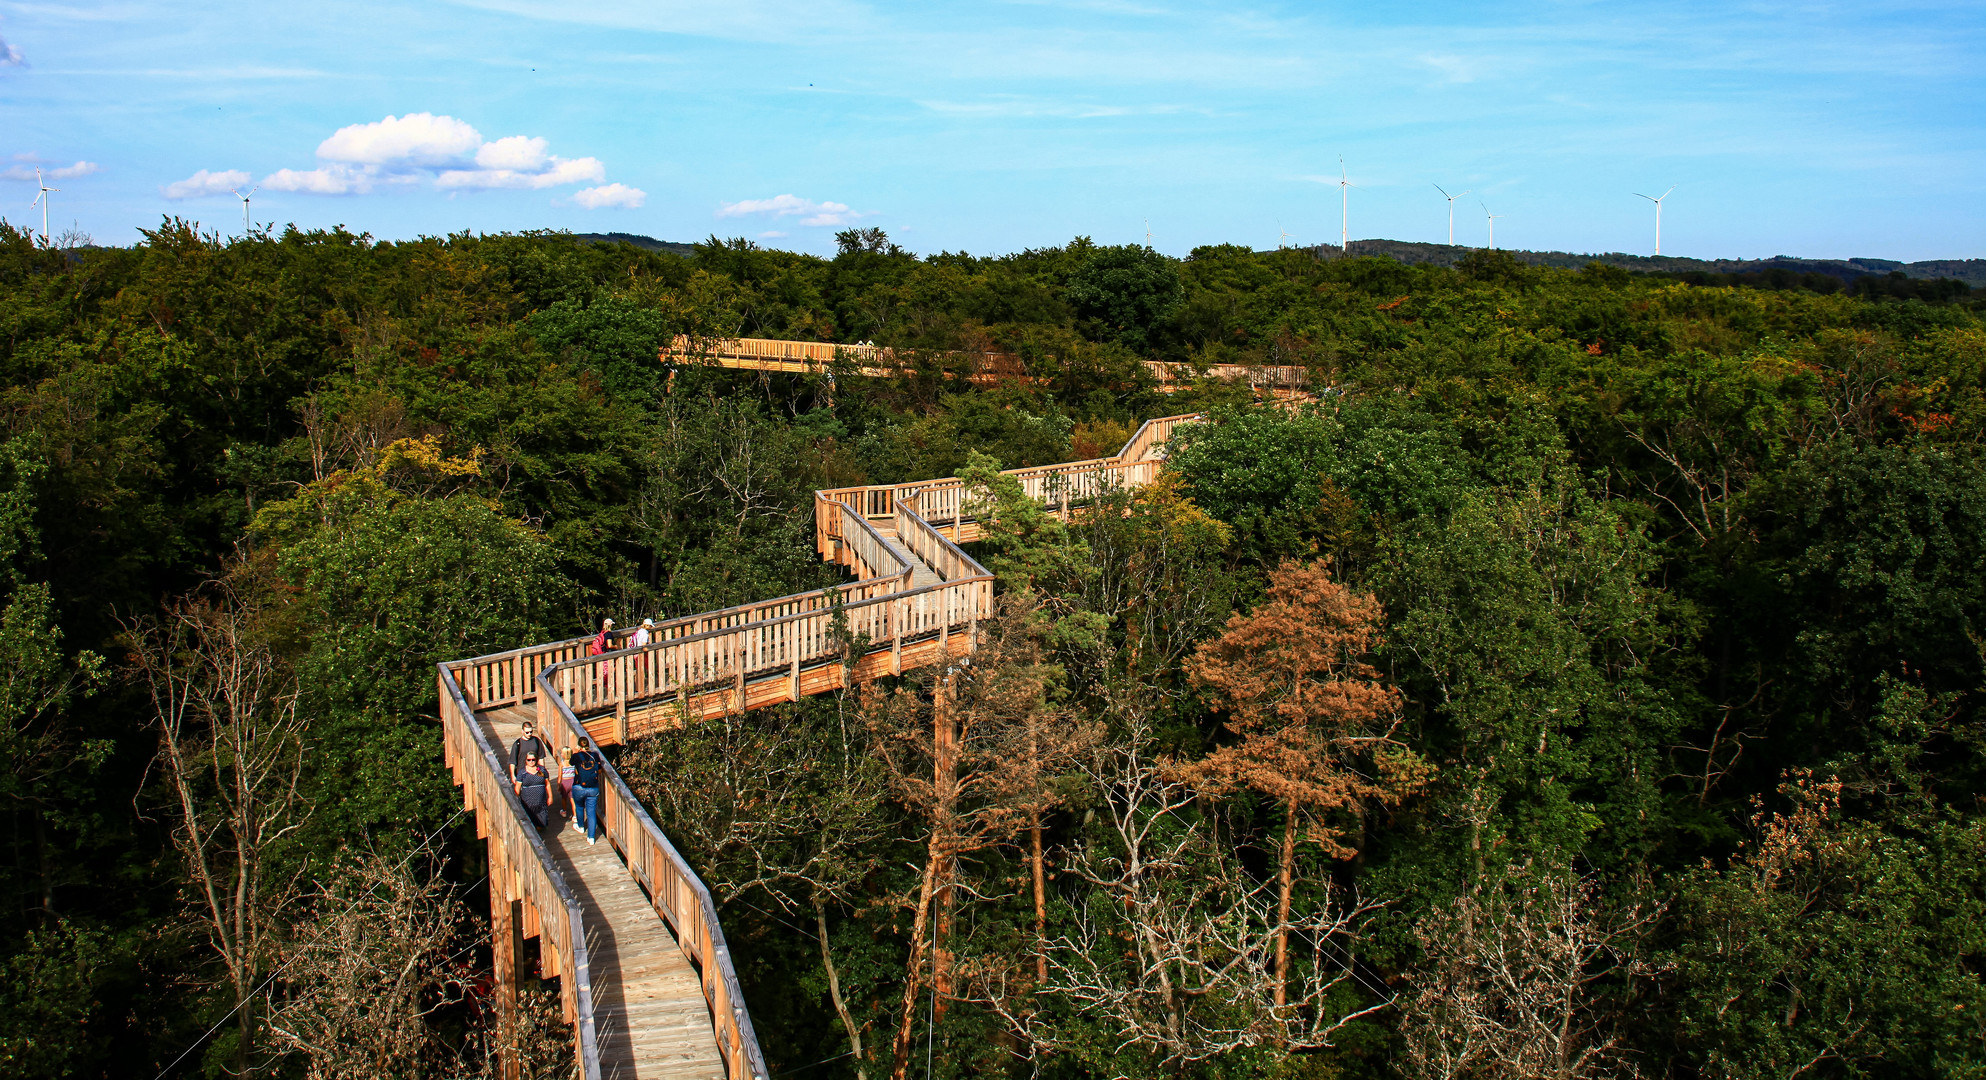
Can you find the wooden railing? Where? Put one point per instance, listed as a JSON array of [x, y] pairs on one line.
[[942, 501], [876, 361], [1289, 376], [730, 659], [931, 547], [818, 357], [503, 679], [679, 897], [521, 867]]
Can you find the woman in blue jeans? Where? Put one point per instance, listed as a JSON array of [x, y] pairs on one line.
[[586, 790]]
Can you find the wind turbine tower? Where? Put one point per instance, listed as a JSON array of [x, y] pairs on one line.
[[1451, 211], [1492, 225], [1657, 200], [42, 198], [1282, 236], [244, 206], [1345, 224]]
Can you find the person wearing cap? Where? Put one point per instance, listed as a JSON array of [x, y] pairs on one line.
[[644, 635], [601, 641]]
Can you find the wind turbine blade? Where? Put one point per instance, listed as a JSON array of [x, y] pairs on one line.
[[1445, 194]]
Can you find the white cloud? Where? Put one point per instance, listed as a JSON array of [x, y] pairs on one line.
[[561, 171], [328, 180], [617, 195], [66, 172], [205, 183], [807, 210], [401, 150], [10, 56], [518, 152], [416, 140], [774, 234], [62, 173]]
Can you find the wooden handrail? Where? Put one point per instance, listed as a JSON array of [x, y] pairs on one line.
[[533, 877], [790, 643], [681, 899], [940, 499], [878, 361], [1287, 375]]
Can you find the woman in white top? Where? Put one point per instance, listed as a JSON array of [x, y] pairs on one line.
[[643, 635]]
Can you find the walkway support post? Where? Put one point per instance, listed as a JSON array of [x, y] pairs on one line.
[[621, 700], [506, 944]]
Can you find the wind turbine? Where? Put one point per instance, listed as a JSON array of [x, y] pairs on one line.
[[42, 198], [1148, 232], [244, 206], [1657, 200], [1345, 226], [1492, 224], [1282, 236], [1451, 210]]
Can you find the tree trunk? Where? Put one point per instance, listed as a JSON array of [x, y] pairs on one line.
[[900, 1059], [1040, 907], [945, 766], [1284, 881], [834, 990]]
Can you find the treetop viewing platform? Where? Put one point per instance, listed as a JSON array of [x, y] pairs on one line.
[[627, 931]]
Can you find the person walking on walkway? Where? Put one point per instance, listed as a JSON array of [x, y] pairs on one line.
[[644, 635], [565, 782], [534, 791], [602, 644], [528, 743], [586, 772]]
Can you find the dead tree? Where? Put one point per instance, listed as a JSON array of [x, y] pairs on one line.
[[230, 749], [364, 973], [967, 753], [1507, 988], [1172, 947]]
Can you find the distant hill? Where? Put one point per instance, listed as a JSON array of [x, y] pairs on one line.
[[646, 243], [1970, 271]]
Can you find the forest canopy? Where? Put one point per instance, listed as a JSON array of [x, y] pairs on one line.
[[1579, 683]]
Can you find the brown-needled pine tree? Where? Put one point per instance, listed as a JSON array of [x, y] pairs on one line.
[[1314, 724]]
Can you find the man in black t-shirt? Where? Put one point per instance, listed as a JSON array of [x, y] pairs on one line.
[[528, 744]]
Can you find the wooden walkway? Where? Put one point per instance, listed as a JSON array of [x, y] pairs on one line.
[[646, 978], [1276, 381], [648, 1009]]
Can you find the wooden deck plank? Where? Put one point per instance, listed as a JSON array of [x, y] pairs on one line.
[[648, 1005]]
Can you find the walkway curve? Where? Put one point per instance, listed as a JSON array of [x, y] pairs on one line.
[[623, 955]]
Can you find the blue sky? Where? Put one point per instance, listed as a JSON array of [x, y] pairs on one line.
[[1803, 129]]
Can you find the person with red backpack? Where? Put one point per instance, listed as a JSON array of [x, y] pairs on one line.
[[599, 646]]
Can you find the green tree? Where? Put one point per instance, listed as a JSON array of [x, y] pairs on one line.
[[1126, 292]]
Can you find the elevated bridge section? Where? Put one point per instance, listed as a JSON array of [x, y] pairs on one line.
[[631, 934], [980, 368]]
